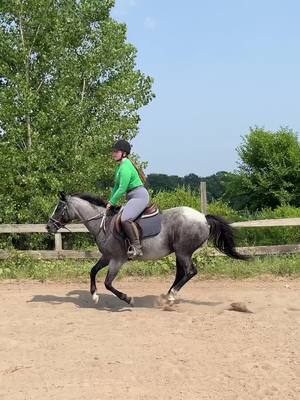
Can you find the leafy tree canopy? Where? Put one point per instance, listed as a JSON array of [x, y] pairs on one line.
[[269, 171], [68, 89]]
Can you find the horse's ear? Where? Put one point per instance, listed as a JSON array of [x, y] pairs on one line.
[[62, 195]]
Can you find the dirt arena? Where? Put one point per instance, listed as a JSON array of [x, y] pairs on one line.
[[56, 344]]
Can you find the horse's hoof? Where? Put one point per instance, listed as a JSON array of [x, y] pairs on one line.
[[171, 296], [131, 301], [95, 298]]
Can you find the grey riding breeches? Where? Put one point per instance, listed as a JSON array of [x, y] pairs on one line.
[[137, 201]]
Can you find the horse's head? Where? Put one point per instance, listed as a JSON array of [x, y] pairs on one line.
[[62, 214]]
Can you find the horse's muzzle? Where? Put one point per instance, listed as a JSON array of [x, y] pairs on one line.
[[51, 227]]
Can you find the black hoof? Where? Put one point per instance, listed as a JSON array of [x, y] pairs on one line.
[[130, 301]]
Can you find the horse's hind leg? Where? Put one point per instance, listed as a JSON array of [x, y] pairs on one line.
[[189, 270], [103, 262], [179, 274], [113, 269]]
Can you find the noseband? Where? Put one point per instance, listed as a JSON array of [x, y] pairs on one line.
[[58, 224]]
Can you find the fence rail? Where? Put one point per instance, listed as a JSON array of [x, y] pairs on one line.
[[59, 253], [266, 223]]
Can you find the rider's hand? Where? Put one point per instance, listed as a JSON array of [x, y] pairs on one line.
[[108, 206]]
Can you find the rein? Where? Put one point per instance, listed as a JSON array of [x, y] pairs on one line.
[[59, 224], [98, 216]]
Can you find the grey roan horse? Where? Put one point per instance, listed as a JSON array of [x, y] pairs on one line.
[[183, 231]]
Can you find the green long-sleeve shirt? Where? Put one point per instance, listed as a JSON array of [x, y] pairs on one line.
[[126, 179]]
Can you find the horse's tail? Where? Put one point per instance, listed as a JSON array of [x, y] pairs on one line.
[[223, 237]]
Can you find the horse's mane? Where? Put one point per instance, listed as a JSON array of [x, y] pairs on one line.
[[98, 201]]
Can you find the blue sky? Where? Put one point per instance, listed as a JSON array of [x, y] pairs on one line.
[[219, 67]]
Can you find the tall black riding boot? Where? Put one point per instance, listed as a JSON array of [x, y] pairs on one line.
[[132, 232]]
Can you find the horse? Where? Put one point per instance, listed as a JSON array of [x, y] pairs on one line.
[[183, 231]]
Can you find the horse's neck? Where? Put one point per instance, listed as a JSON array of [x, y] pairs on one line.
[[84, 211]]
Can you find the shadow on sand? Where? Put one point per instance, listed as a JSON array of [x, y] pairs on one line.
[[108, 302]]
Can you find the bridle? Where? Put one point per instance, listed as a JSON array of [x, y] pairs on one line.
[[58, 224]]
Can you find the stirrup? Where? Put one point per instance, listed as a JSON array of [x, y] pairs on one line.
[[134, 252]]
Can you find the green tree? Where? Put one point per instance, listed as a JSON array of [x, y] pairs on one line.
[[269, 171], [68, 88], [192, 181], [216, 183], [163, 182]]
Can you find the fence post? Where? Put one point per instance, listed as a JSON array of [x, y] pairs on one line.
[[58, 242], [203, 197]]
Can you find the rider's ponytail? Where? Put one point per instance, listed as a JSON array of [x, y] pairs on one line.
[[139, 171]]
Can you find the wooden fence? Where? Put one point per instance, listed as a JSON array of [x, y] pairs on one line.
[[60, 253]]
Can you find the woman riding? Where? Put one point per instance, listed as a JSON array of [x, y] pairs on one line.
[[130, 181]]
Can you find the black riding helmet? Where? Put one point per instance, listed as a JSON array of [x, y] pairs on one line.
[[122, 145]]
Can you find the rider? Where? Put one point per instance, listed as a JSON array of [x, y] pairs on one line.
[[130, 181]]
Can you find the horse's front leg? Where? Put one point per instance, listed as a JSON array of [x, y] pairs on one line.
[[113, 269], [103, 262]]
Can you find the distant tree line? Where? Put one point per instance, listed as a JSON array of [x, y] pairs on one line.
[[268, 174], [216, 183]]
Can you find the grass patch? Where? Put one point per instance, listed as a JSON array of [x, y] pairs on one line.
[[224, 267], [24, 267]]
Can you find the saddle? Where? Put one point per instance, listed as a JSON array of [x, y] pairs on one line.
[[149, 222]]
